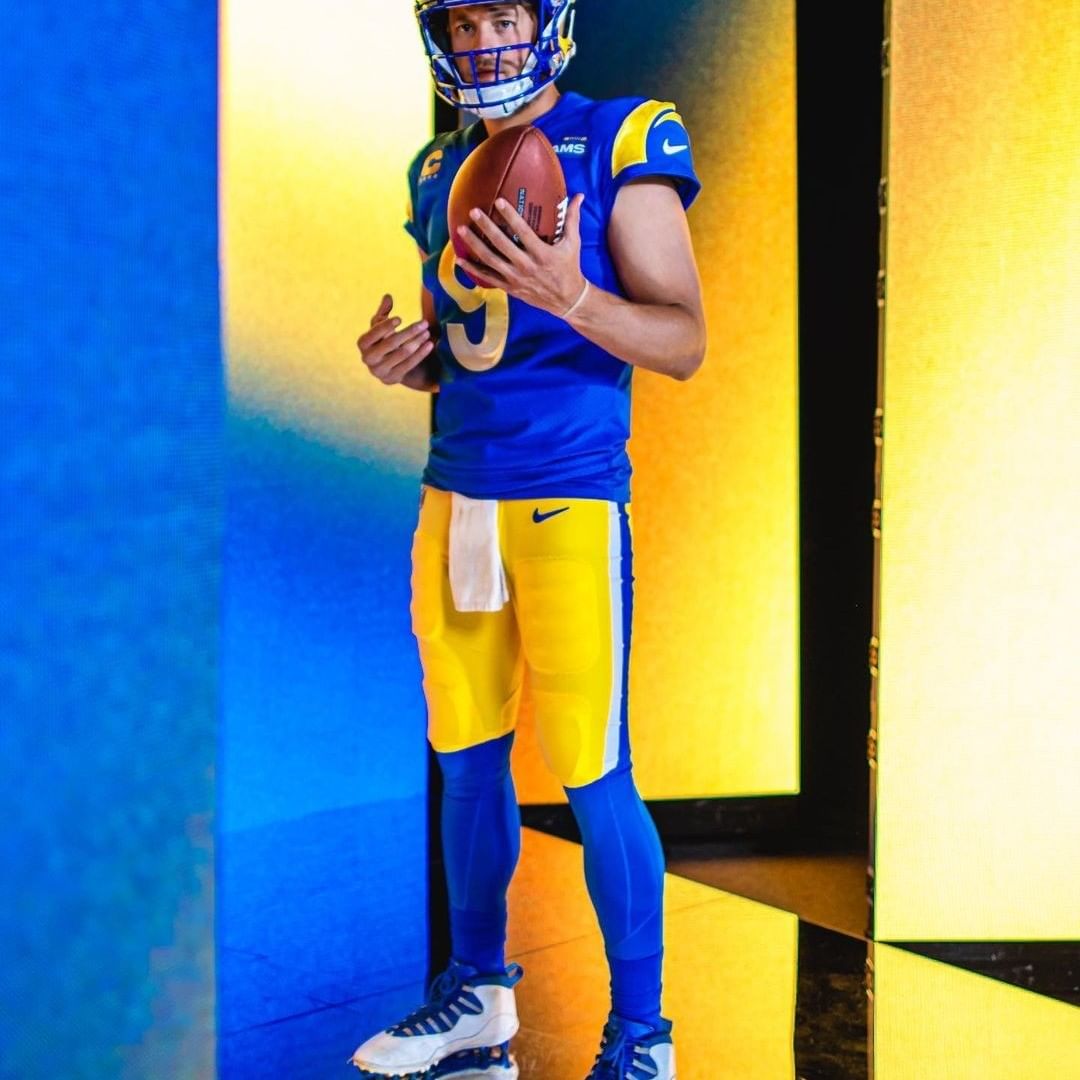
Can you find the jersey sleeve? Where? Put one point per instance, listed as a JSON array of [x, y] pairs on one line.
[[652, 140], [410, 218], [412, 226]]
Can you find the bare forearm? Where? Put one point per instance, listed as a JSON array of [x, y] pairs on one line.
[[666, 338]]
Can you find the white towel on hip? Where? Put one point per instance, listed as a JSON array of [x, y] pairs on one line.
[[477, 576]]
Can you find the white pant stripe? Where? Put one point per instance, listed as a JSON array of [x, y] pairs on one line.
[[611, 733]]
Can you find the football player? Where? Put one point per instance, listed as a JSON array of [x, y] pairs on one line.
[[522, 564]]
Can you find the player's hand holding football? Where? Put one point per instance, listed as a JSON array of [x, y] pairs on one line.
[[389, 353], [548, 276]]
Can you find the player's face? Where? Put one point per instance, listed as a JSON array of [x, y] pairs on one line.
[[488, 26]]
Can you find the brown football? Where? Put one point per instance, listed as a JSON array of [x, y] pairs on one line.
[[520, 165]]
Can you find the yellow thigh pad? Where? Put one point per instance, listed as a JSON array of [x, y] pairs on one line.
[[565, 575], [557, 610], [472, 661]]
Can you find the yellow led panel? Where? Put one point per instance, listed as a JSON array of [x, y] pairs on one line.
[[978, 811], [932, 1020], [322, 110]]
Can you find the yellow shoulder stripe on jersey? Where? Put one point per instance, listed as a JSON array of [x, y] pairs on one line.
[[631, 141]]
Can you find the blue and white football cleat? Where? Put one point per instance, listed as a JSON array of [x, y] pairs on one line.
[[633, 1051], [483, 1063], [466, 1011]]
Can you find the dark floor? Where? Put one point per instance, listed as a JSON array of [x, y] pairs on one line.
[[829, 890]]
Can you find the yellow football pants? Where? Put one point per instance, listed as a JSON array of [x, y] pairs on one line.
[[568, 567]]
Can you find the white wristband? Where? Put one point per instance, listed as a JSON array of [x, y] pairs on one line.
[[578, 302]]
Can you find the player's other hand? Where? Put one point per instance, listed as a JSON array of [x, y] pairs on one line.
[[391, 353], [548, 276]]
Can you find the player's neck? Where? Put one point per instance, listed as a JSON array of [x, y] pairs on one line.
[[542, 103]]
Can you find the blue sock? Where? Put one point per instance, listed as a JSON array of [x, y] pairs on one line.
[[481, 834], [624, 872], [635, 988], [479, 938]]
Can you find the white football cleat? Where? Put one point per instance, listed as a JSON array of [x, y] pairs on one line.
[[465, 1011]]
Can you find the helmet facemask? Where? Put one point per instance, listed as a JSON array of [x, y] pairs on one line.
[[543, 59]]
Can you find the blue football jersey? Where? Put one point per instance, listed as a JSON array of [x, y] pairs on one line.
[[528, 408]]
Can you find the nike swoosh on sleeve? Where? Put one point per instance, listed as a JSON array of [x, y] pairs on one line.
[[669, 149]]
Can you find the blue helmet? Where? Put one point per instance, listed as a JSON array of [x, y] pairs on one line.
[[547, 59]]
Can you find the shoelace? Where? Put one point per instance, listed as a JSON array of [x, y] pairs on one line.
[[442, 989], [611, 1063], [606, 1066]]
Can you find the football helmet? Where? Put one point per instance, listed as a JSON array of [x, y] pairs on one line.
[[545, 61]]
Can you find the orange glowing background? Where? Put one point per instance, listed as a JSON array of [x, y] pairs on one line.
[[978, 811], [714, 671]]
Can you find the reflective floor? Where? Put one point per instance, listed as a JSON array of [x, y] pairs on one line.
[[754, 992]]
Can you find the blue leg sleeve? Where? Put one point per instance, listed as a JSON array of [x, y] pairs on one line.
[[481, 835], [624, 872]]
